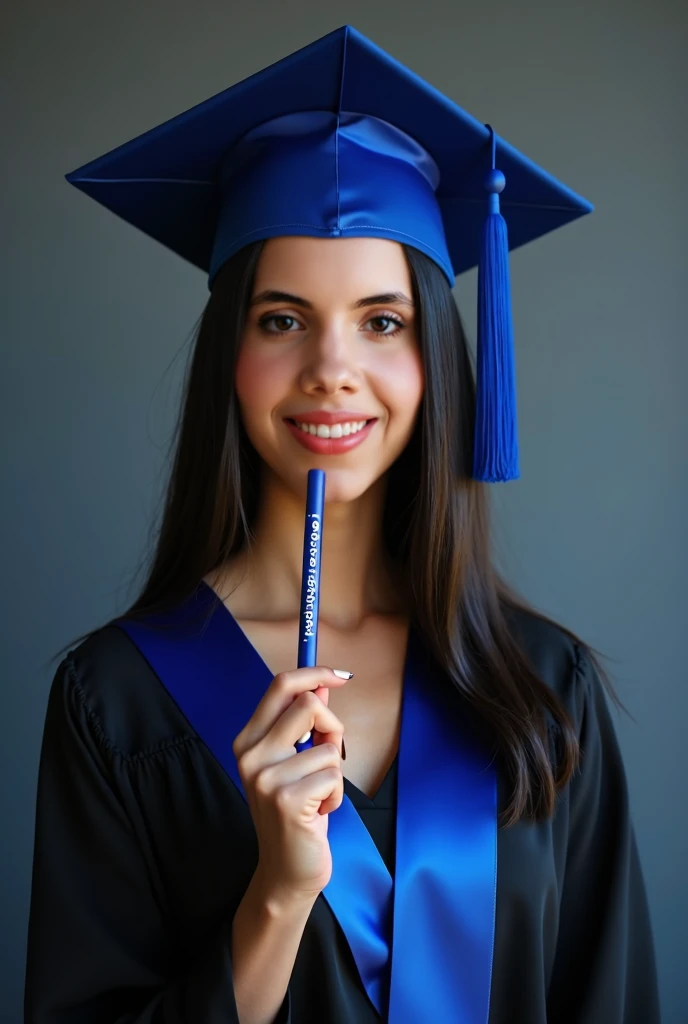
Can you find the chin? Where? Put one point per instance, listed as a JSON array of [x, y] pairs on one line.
[[341, 486]]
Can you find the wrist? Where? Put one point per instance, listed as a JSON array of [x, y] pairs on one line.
[[276, 900]]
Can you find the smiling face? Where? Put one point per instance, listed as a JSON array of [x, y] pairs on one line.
[[330, 342]]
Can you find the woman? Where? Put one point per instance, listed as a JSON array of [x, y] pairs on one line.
[[456, 845]]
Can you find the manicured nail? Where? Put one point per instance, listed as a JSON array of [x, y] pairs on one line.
[[343, 750], [341, 674], [305, 738]]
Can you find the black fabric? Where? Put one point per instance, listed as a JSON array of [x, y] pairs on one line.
[[144, 848], [378, 812]]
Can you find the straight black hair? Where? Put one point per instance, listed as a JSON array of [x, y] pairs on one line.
[[436, 526]]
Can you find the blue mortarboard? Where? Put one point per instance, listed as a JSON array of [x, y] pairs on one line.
[[340, 139]]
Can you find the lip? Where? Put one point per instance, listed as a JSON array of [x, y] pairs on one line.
[[329, 445], [329, 418]]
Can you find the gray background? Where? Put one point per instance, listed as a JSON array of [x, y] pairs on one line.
[[96, 321]]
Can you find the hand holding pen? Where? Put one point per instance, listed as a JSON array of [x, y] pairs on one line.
[[291, 794]]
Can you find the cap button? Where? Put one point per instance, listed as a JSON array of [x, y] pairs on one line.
[[495, 181]]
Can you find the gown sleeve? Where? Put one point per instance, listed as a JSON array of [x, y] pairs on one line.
[[98, 946], [604, 969]]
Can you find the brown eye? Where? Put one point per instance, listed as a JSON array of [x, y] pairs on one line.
[[387, 321], [280, 321]]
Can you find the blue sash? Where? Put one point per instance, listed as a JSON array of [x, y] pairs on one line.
[[422, 943]]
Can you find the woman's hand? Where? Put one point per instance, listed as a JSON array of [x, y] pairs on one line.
[[291, 794]]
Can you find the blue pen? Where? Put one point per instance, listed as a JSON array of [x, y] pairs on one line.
[[310, 579]]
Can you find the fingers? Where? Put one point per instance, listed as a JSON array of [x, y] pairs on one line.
[[321, 792], [273, 777], [324, 695], [279, 696], [304, 714]]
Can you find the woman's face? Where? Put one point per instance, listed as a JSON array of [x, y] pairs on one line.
[[331, 329]]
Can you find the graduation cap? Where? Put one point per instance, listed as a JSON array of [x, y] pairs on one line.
[[341, 140]]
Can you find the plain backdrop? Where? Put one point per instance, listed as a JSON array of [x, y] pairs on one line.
[[96, 321]]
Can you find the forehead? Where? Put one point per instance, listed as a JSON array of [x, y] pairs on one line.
[[337, 265]]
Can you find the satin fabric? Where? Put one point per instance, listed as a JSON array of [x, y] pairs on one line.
[[328, 174], [383, 154], [423, 945]]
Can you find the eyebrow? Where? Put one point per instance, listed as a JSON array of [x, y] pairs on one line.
[[383, 299]]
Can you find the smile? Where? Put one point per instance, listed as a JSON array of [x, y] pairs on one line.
[[336, 430], [334, 439]]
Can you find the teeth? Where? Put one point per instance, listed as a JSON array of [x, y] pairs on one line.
[[336, 430]]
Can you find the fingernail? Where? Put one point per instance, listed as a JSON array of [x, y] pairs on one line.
[[343, 750], [341, 674]]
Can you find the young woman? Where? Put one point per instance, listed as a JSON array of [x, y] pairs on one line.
[[456, 845]]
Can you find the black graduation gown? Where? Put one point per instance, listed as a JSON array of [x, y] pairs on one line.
[[144, 848]]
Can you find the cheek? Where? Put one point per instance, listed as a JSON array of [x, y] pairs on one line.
[[403, 384], [258, 381]]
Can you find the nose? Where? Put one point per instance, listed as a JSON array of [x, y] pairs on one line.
[[330, 363]]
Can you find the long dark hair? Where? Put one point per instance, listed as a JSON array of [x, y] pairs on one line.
[[436, 526]]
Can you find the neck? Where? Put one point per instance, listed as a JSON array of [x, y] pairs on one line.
[[357, 578]]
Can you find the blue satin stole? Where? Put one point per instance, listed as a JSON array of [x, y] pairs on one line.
[[423, 941]]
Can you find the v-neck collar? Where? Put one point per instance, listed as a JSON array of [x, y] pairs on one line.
[[423, 942], [381, 793], [265, 669]]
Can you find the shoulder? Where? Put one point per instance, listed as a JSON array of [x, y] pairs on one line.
[[562, 660], [122, 699]]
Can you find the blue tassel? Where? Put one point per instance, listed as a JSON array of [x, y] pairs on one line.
[[495, 452]]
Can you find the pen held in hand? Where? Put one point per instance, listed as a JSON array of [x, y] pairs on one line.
[[310, 579]]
